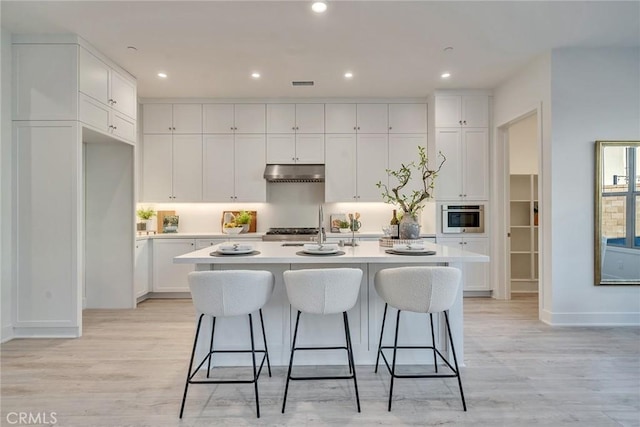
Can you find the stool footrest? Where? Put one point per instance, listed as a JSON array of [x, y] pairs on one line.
[[350, 377], [384, 358], [320, 348]]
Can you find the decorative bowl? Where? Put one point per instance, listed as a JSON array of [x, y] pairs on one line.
[[232, 230]]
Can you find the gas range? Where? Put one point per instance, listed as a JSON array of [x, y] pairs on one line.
[[291, 234]]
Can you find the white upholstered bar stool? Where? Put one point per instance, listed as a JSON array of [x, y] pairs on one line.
[[229, 293], [323, 291], [419, 290]]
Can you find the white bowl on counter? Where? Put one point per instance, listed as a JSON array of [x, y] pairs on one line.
[[232, 230]]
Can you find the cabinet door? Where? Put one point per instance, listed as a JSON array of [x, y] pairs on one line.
[[449, 181], [310, 118], [94, 113], [475, 111], [218, 168], [205, 243], [157, 118], [94, 77], [250, 118], [340, 118], [141, 272], [281, 118], [281, 148], [310, 148], [157, 168], [403, 149], [373, 118], [123, 95], [476, 274], [407, 118], [187, 168], [448, 111], [371, 166], [187, 118], [340, 168], [217, 118], [123, 127], [475, 164], [249, 161], [167, 276]]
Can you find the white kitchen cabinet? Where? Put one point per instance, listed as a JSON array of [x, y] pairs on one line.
[[106, 85], [475, 274], [167, 276], [172, 118], [306, 148], [233, 118], [354, 164], [465, 173], [141, 272], [408, 118], [356, 118], [295, 118], [172, 168], [403, 149], [233, 168], [105, 119], [205, 243], [462, 110]]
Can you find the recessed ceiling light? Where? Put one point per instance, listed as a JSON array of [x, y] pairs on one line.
[[319, 6], [445, 75], [162, 75], [255, 75], [348, 75]]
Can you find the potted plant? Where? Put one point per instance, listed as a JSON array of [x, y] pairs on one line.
[[243, 219], [145, 215], [411, 203], [344, 226]]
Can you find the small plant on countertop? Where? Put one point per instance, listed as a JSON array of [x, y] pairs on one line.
[[343, 224], [145, 214], [243, 217]]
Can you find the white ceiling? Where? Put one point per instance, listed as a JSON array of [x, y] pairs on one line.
[[394, 48]]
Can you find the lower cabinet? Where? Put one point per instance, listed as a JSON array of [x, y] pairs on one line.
[[474, 274], [167, 276], [141, 272]]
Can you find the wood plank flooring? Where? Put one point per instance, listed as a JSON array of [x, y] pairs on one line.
[[128, 370]]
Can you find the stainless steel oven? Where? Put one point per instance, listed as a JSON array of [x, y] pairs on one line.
[[461, 219]]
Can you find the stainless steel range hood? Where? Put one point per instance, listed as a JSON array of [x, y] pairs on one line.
[[294, 173]]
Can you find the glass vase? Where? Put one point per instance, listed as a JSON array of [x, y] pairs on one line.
[[409, 226]]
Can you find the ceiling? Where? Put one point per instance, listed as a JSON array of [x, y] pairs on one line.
[[393, 48]]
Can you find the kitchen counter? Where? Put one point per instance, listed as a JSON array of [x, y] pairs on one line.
[[365, 318], [200, 235]]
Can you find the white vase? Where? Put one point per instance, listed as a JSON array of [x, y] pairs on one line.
[[409, 227]]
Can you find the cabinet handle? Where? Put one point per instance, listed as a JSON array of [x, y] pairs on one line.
[[170, 128], [235, 128], [354, 197], [114, 101], [293, 128], [293, 158], [232, 128], [297, 158], [114, 127], [465, 122], [358, 127], [354, 128], [192, 244], [464, 243], [460, 122], [390, 127]]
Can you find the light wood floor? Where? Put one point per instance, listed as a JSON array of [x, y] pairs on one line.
[[128, 370]]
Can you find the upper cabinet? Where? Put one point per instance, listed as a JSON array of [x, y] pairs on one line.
[[357, 118], [462, 110], [295, 118], [233, 118], [106, 85], [172, 118], [407, 118]]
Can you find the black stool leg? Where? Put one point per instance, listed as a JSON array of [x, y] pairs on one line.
[[433, 343], [255, 371], [384, 317], [455, 359], [393, 365], [193, 353], [213, 328], [264, 337], [293, 349], [348, 344], [350, 354]]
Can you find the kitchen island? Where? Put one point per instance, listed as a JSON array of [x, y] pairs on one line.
[[365, 318]]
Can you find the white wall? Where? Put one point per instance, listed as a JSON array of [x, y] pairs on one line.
[[595, 95], [6, 258], [523, 146]]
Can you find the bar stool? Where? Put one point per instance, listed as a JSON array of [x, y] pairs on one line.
[[419, 290], [229, 293], [323, 291]]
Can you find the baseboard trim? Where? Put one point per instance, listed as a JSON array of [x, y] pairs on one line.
[[41, 332], [169, 295], [590, 319], [7, 334], [474, 294]]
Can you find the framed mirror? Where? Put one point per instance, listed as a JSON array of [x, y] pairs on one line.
[[617, 213]]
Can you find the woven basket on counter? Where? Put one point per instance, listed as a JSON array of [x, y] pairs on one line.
[[386, 242]]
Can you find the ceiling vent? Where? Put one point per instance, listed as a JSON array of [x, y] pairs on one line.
[[302, 83]]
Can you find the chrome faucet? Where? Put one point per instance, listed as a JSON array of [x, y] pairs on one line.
[[321, 234]]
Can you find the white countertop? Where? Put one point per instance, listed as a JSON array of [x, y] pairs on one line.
[[219, 235], [367, 252]]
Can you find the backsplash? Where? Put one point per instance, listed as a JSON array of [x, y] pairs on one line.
[[288, 205]]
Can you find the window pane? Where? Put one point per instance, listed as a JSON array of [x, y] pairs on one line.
[[614, 169], [614, 220], [636, 240]]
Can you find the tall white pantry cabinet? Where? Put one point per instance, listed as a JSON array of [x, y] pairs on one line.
[[74, 119]]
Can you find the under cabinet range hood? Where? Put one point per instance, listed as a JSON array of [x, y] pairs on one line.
[[294, 173]]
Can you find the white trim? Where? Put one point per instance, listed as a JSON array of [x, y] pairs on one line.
[[283, 100], [7, 333], [591, 319], [55, 332]]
